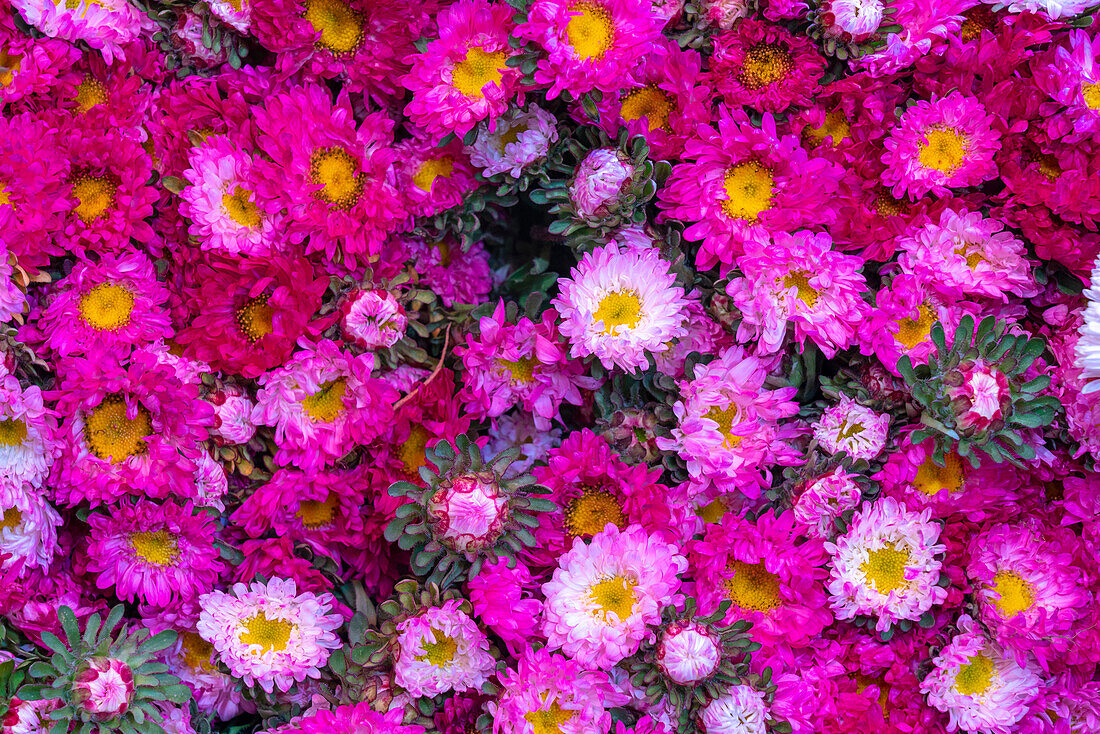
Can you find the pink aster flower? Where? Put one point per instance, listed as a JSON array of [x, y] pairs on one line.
[[543, 691], [799, 279], [605, 593], [431, 177], [226, 212], [116, 303], [765, 67], [598, 182], [668, 100], [28, 529], [948, 142], [359, 718], [1031, 591], [738, 183], [106, 26], [128, 428], [589, 44], [522, 363], [108, 191], [157, 554], [321, 404], [104, 688], [233, 415], [968, 253], [441, 650], [32, 65], [983, 399], [852, 428], [773, 582], [373, 319], [593, 488], [503, 600], [688, 652], [1070, 76], [729, 425], [823, 500], [902, 320], [467, 514], [462, 76], [333, 175], [887, 564], [454, 274], [517, 140], [978, 685], [28, 446], [245, 315], [269, 634], [618, 305]]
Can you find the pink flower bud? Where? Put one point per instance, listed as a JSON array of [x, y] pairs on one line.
[[104, 688]]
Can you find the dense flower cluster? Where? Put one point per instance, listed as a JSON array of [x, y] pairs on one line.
[[550, 366]]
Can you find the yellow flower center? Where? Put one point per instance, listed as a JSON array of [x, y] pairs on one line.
[[511, 135], [315, 514], [521, 371], [801, 280], [431, 169], [337, 172], [107, 306], [272, 635], [649, 102], [886, 205], [912, 332], [9, 66], [240, 208], [590, 30], [885, 568], [614, 595], [865, 681], [444, 253], [753, 587], [764, 64], [977, 20], [619, 308], [341, 28], [159, 548], [326, 405], [975, 677], [1048, 166], [479, 68], [944, 149], [591, 512], [197, 652], [549, 721], [112, 436], [712, 512], [835, 128], [725, 418], [12, 432], [11, 519], [441, 652], [254, 319], [413, 452], [750, 189], [1017, 595], [932, 479], [1091, 95], [95, 195], [90, 93], [5, 195]]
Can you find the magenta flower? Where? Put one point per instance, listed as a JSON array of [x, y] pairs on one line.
[[104, 688], [764, 66]]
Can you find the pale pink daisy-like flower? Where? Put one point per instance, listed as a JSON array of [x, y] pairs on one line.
[[211, 482], [800, 280], [227, 213], [887, 564], [268, 634], [825, 499], [728, 423], [852, 428], [105, 25], [739, 710], [441, 649], [514, 141], [725, 13], [605, 593], [321, 403], [968, 253], [104, 688], [1087, 348], [599, 181], [237, 13], [979, 686], [688, 652], [233, 415], [28, 528], [1052, 8], [946, 143], [27, 444], [588, 43], [373, 319], [619, 305]]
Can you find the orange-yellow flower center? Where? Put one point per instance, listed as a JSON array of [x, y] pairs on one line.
[[341, 28], [749, 189], [801, 280], [107, 306], [725, 418], [549, 720], [314, 514], [111, 435], [413, 452], [95, 196], [753, 587], [932, 479], [520, 371], [619, 308], [1091, 94], [240, 208], [11, 519], [9, 66], [440, 652], [272, 635], [326, 405], [254, 318], [590, 30], [590, 513], [885, 567], [90, 93], [944, 149], [12, 432], [975, 677], [197, 652], [479, 68], [431, 169], [649, 102], [1016, 594], [337, 172], [613, 595], [912, 332], [764, 64], [835, 128], [159, 548]]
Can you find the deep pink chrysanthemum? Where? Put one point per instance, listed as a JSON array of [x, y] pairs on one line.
[[32, 65], [765, 67], [454, 274], [106, 25], [901, 322], [740, 183], [431, 177], [155, 553], [589, 44], [1070, 75], [504, 600], [462, 77], [359, 718]]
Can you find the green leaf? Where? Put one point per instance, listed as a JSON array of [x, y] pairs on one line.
[[69, 624], [160, 641], [176, 693], [50, 640]]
